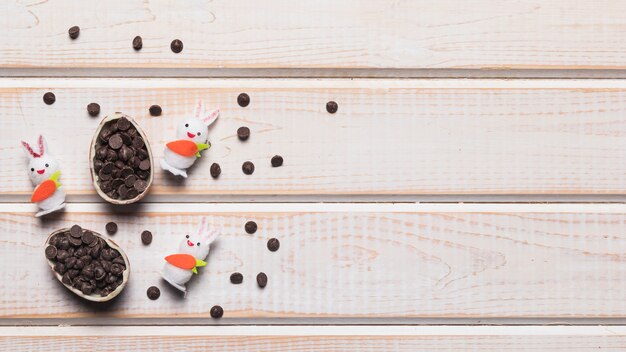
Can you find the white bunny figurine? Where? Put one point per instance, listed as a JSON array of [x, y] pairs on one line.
[[192, 253], [193, 135], [44, 172]]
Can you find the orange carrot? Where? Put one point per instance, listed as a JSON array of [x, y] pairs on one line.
[[44, 191], [183, 261], [183, 147]]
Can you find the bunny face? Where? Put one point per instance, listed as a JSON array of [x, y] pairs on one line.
[[40, 169], [193, 129], [197, 127], [195, 245], [41, 164]]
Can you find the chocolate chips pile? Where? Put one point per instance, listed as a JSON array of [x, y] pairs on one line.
[[86, 262], [121, 160]]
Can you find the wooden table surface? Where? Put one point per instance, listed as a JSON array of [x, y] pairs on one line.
[[468, 194]]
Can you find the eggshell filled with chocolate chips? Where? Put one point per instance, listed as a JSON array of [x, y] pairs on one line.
[[121, 160], [89, 265]]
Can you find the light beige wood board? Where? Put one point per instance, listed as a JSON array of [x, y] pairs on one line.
[[492, 34], [389, 137], [314, 339], [341, 261]]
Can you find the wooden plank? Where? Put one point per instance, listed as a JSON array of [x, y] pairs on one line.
[[321, 338], [341, 261], [389, 137], [480, 34]]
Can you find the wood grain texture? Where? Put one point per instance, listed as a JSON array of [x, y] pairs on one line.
[[313, 339], [389, 137], [350, 264], [482, 34]]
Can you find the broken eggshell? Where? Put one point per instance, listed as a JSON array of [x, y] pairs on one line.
[[93, 297], [92, 152]]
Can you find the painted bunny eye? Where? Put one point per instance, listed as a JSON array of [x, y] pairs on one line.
[[32, 169], [199, 133], [47, 165], [186, 125], [198, 244], [187, 236]]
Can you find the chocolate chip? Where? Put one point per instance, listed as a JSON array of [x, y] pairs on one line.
[[51, 252], [217, 312], [130, 181], [137, 43], [116, 142], [76, 231], [138, 142], [236, 278], [74, 32], [273, 244], [332, 107], [277, 161], [216, 170], [145, 165], [247, 168], [88, 237], [146, 237], [123, 124], [243, 100], [49, 98], [250, 227], [243, 133], [140, 185], [176, 46], [111, 228], [75, 241], [153, 293], [155, 110], [261, 279], [93, 109]]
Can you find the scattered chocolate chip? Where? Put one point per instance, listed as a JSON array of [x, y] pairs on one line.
[[51, 252], [273, 244], [155, 110], [153, 293], [261, 279], [216, 170], [217, 312], [140, 185], [243, 133], [146, 237], [74, 32], [243, 100], [49, 98], [137, 43], [332, 107], [93, 109], [247, 168], [250, 227], [111, 228], [277, 161], [176, 46], [236, 278]]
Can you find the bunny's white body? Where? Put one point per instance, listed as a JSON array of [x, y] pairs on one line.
[[193, 135], [196, 246], [44, 172]]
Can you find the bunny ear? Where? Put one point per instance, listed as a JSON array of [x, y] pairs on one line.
[[211, 117], [199, 110], [43, 146], [29, 151], [208, 235]]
